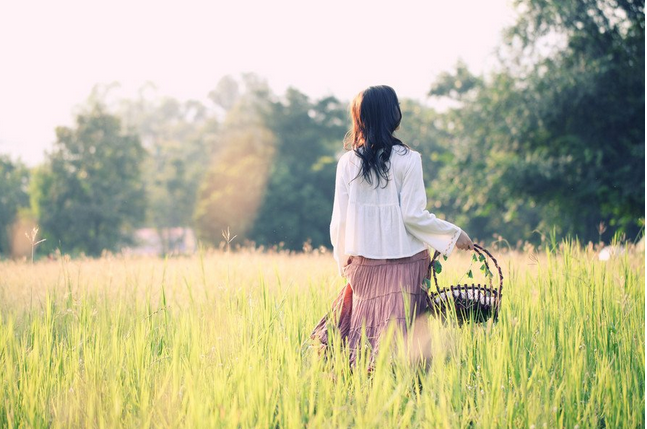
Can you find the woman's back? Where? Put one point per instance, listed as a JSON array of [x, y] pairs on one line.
[[386, 220], [374, 221]]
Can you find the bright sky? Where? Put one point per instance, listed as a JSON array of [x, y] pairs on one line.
[[53, 52]]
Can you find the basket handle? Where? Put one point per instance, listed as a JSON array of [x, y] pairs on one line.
[[477, 249]]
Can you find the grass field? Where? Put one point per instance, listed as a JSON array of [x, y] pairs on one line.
[[221, 340]]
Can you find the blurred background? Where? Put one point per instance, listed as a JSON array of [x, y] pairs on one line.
[[149, 127]]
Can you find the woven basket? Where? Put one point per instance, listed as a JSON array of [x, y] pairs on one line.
[[470, 303]]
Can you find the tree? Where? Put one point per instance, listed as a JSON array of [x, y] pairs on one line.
[[226, 94], [554, 138], [584, 147], [89, 194], [14, 181], [298, 202], [180, 139], [232, 190]]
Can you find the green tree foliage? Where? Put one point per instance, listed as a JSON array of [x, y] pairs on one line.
[[232, 190], [472, 187], [14, 180], [179, 138], [298, 202], [271, 181], [227, 93], [555, 137], [89, 194]]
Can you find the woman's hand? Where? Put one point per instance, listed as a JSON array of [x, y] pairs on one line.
[[464, 242]]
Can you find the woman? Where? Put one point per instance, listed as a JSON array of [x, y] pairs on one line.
[[380, 228]]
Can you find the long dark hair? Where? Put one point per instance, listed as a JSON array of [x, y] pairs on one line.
[[375, 113]]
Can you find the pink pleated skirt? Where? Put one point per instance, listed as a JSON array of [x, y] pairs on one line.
[[375, 296]]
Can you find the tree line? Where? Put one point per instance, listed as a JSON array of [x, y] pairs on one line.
[[551, 140]]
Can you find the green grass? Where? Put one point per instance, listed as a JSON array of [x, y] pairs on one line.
[[222, 341]]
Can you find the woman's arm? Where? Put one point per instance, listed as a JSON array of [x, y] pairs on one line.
[[338, 221], [437, 233]]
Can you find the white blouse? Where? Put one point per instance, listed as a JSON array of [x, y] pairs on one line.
[[385, 222]]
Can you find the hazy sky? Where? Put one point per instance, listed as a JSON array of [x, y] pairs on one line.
[[53, 52]]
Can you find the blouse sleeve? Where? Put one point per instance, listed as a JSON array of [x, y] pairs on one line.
[[338, 221], [437, 233]]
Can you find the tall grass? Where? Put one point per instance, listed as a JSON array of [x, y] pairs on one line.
[[221, 340]]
